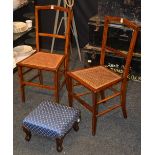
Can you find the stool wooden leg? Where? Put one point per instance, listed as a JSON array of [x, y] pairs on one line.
[[76, 126], [59, 142], [28, 133], [20, 74]]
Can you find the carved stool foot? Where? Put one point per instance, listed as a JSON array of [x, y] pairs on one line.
[[76, 126], [28, 133], [59, 142]]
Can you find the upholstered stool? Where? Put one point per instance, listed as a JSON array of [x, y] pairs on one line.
[[51, 120]]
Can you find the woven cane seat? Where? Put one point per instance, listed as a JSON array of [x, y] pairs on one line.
[[96, 77], [43, 60]]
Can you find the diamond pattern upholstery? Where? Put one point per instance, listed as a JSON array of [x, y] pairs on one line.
[[51, 119]]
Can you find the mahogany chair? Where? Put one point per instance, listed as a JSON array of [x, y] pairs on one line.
[[41, 60], [99, 78]]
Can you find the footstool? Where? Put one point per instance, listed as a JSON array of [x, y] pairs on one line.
[[51, 120]]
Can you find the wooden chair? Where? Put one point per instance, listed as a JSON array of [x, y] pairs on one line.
[[55, 63], [99, 78]]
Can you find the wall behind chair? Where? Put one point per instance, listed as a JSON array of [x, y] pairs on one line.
[[83, 10]]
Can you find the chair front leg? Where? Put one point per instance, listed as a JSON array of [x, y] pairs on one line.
[[21, 80], [70, 89], [56, 82], [95, 111], [65, 74]]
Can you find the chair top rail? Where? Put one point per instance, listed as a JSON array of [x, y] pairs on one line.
[[52, 7], [119, 20]]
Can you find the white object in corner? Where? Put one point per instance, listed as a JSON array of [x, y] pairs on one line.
[[21, 52], [19, 27]]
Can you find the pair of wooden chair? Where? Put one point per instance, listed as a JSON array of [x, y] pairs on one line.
[[41, 60], [96, 79]]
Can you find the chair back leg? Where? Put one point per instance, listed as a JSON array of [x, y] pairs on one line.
[[123, 97], [40, 76], [102, 94], [22, 89]]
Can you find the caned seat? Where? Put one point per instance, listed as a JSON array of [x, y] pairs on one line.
[[99, 79], [57, 64], [41, 60], [51, 120], [96, 77]]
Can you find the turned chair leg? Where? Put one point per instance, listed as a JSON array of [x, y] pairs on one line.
[[59, 142], [22, 90], [28, 133]]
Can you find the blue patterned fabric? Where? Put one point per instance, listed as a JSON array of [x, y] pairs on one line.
[[51, 119]]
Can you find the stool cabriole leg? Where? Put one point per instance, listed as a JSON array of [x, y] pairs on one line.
[[59, 142], [76, 126], [27, 132]]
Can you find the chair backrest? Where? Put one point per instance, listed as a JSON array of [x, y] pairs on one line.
[[65, 37], [128, 55]]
